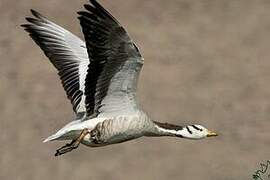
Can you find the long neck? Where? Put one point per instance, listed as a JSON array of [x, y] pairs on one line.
[[166, 129]]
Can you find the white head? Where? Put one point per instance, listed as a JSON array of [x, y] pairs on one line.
[[195, 132], [189, 132]]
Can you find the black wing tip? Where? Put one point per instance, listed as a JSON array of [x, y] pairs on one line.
[[36, 19], [34, 12], [97, 10], [94, 2], [30, 19], [97, 5], [82, 13], [25, 26], [87, 6], [37, 14]]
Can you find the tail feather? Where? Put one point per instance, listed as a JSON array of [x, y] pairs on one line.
[[63, 135], [69, 132], [52, 138]]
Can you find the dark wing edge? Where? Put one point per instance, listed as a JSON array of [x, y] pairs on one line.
[[66, 52], [109, 48]]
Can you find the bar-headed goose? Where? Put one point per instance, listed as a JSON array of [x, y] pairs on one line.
[[100, 78]]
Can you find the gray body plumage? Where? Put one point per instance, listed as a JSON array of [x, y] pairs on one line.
[[118, 129]]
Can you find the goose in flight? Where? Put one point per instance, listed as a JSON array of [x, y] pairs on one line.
[[100, 78]]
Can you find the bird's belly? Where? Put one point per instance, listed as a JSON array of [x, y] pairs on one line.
[[115, 130], [112, 140]]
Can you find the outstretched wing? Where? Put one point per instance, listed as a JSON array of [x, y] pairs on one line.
[[115, 63], [66, 52]]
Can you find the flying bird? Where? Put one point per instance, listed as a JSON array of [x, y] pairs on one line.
[[100, 78]]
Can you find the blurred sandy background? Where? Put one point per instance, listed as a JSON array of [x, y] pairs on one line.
[[206, 62]]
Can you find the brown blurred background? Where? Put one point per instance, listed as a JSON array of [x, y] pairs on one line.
[[206, 62]]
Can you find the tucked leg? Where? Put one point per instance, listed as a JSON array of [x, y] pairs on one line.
[[64, 149], [74, 144]]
